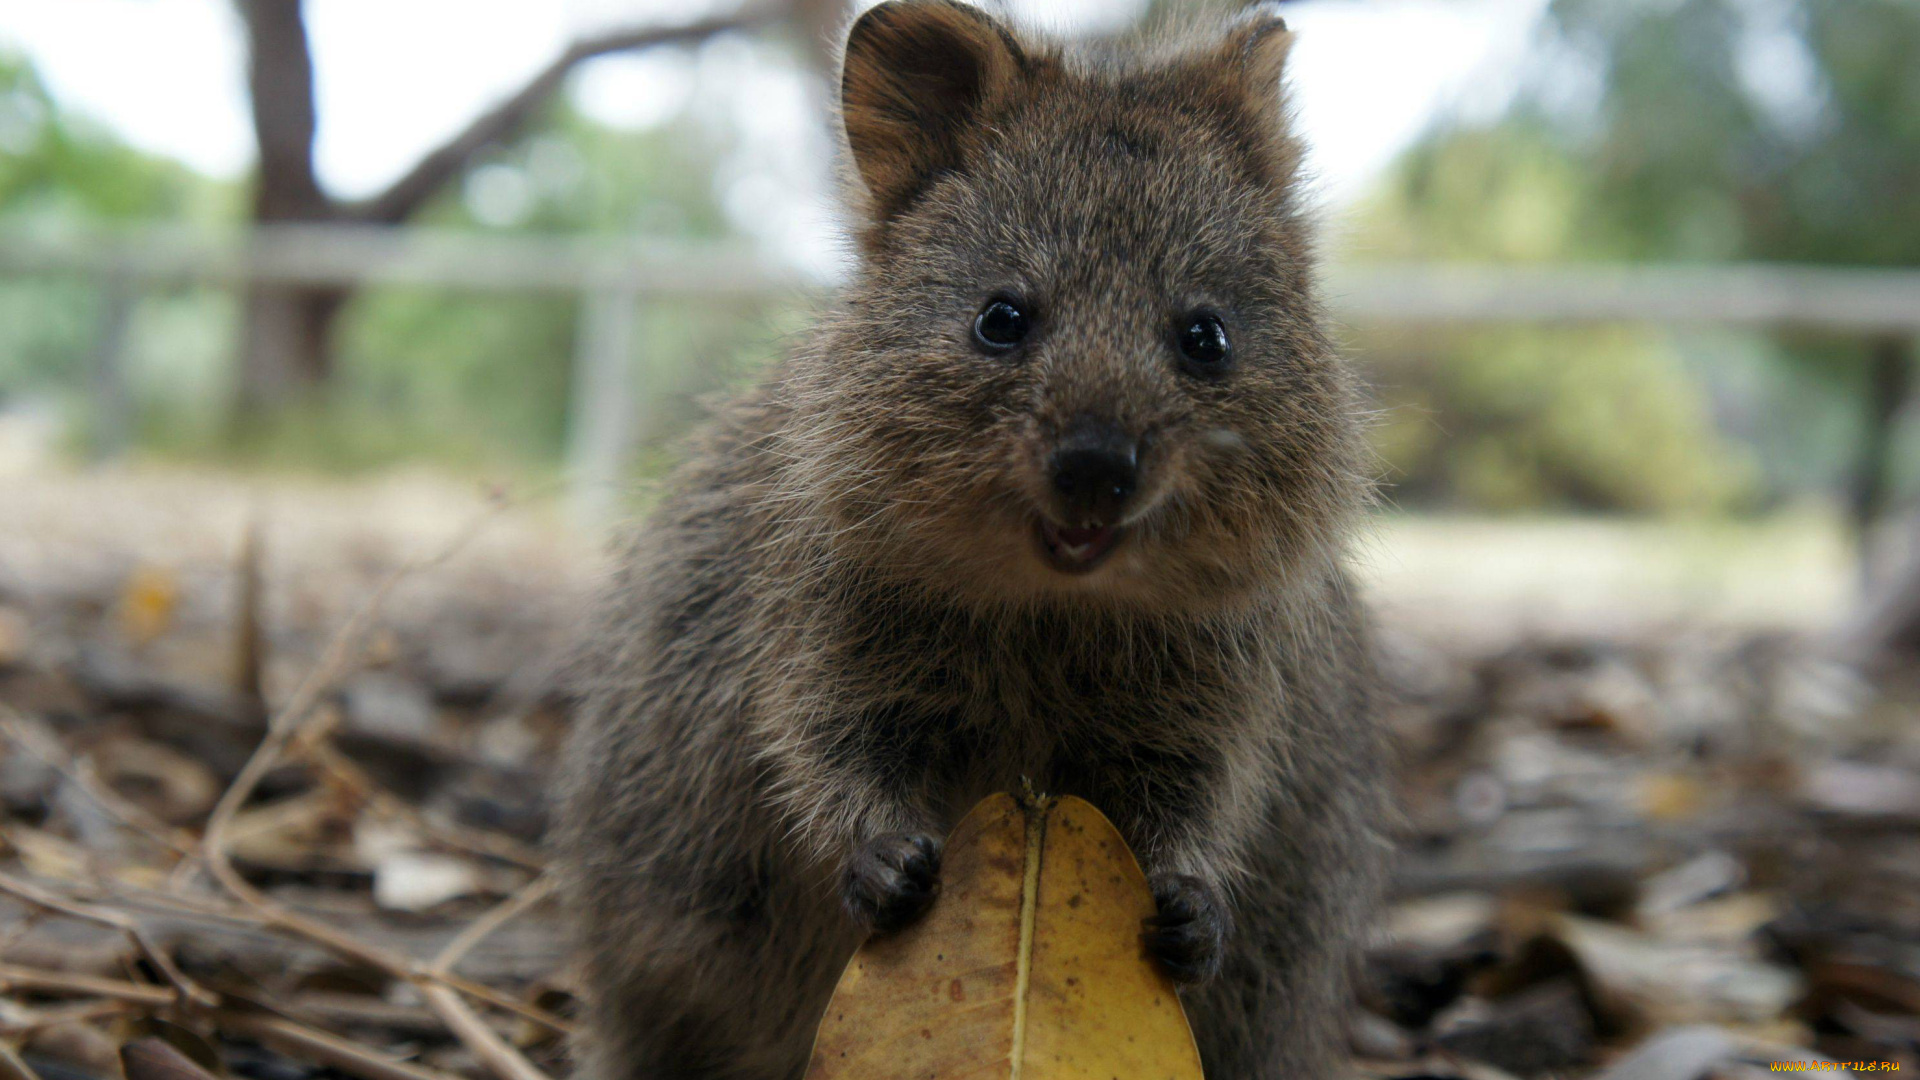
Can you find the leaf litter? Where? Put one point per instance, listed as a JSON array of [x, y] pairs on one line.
[[294, 830]]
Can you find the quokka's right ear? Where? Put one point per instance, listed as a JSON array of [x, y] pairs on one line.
[[1255, 52], [917, 73]]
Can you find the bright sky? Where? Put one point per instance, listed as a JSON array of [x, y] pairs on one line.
[[395, 78]]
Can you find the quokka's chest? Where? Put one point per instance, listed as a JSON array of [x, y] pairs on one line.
[[1054, 661]]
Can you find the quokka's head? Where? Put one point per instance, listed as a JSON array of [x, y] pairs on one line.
[[1080, 358]]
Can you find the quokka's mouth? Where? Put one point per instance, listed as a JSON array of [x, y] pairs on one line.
[[1074, 550]]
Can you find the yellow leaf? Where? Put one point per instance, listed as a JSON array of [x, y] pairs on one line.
[[147, 603], [1671, 797], [1028, 966]]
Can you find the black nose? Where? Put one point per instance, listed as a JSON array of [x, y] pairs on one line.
[[1094, 478]]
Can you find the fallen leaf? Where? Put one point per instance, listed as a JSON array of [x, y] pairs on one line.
[[1865, 790], [1706, 875], [84, 1048], [417, 881], [1542, 1029], [1679, 1053], [150, 1058], [13, 637], [1029, 964], [147, 603], [170, 785], [1671, 797], [1675, 981]]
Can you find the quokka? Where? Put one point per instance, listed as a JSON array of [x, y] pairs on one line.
[[1058, 493]]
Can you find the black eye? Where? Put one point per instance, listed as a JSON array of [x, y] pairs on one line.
[[1001, 325], [1202, 338]]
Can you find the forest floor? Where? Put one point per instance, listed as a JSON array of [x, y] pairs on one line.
[[1655, 827]]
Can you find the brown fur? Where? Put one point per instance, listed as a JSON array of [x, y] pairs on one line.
[[838, 629]]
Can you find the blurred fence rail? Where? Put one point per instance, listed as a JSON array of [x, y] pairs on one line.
[[1780, 297], [614, 280], [352, 255], [1842, 299]]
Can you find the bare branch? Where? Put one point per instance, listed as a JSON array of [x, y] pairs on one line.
[[503, 121]]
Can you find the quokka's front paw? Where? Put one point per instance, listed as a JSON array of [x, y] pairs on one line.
[[891, 880], [1189, 935]]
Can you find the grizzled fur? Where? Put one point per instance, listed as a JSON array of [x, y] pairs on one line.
[[838, 632]]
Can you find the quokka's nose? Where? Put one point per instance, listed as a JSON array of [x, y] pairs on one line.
[[1095, 477]]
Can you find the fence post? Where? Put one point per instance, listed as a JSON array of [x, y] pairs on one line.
[[600, 417], [112, 402]]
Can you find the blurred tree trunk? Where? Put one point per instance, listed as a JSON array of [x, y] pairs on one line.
[[1888, 626], [1886, 629], [1889, 383], [287, 330]]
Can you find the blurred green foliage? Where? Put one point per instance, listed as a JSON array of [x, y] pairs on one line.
[[468, 381], [484, 380], [1658, 130], [58, 170], [1515, 420], [55, 166], [1763, 129]]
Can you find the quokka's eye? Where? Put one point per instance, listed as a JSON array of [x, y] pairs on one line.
[[1204, 349], [1001, 325]]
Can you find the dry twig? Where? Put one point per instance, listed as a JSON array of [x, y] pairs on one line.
[[25, 1023], [529, 896], [40, 744], [12, 1067], [188, 991], [282, 729], [152, 1058], [249, 653], [13, 977], [328, 1049], [289, 733], [502, 1059], [386, 803]]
